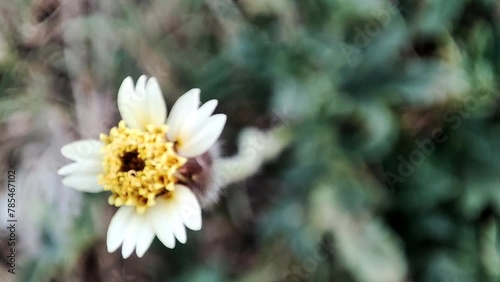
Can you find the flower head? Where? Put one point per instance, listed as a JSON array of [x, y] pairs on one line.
[[143, 162]]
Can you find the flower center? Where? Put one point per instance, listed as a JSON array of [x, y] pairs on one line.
[[138, 165], [131, 161]]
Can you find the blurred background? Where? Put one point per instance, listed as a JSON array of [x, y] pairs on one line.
[[392, 172]]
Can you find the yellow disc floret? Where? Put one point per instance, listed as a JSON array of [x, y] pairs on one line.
[[138, 165]]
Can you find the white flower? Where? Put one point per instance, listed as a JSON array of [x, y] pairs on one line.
[[139, 162]]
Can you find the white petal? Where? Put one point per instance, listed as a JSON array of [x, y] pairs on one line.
[[143, 105], [129, 103], [140, 87], [184, 107], [117, 227], [192, 221], [68, 169], [132, 233], [194, 123], [178, 225], [145, 239], [84, 183], [82, 149], [83, 167], [168, 213], [189, 207], [205, 138], [162, 224], [157, 107]]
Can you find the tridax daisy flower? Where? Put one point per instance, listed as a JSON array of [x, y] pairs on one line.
[[143, 161]]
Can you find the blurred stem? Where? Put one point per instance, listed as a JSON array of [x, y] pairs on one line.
[[489, 248], [255, 147]]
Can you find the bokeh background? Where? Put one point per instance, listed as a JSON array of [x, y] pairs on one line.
[[392, 172]]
